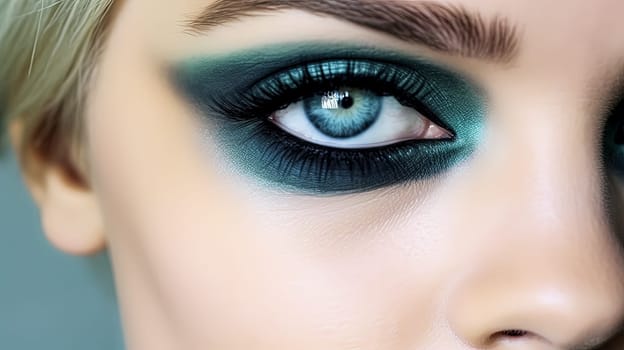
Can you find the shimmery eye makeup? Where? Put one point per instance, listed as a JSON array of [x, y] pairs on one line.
[[345, 93]]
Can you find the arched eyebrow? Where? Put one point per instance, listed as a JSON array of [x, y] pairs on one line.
[[446, 28]]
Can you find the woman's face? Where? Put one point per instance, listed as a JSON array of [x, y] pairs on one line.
[[362, 174]]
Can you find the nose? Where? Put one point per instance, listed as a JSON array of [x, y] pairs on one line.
[[544, 269], [535, 306]]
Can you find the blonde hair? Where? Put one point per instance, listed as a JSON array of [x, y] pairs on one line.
[[48, 49]]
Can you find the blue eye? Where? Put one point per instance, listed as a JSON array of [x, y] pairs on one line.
[[334, 120], [356, 119], [343, 113]]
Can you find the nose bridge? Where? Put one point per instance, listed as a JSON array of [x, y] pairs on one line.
[[544, 260], [547, 169]]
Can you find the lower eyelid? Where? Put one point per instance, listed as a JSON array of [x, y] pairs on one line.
[[276, 158]]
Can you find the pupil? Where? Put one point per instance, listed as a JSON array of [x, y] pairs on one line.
[[347, 102]]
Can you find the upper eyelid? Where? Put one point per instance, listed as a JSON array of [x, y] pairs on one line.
[[320, 73], [263, 61], [215, 80], [275, 57], [228, 74], [391, 73]]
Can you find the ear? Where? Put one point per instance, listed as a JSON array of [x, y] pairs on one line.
[[70, 214]]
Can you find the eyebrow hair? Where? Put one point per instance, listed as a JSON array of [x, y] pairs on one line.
[[445, 28]]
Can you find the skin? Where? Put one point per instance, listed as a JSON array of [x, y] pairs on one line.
[[516, 238]]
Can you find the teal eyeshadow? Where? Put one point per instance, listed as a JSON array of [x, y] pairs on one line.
[[214, 85]]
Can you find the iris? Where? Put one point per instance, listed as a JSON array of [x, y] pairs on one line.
[[343, 113]]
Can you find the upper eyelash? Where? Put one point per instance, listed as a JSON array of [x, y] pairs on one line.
[[264, 101]]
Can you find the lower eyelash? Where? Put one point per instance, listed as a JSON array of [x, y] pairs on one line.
[[307, 167]]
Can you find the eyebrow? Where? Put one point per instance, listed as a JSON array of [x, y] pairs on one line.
[[446, 28]]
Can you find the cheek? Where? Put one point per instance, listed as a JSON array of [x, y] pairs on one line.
[[212, 259]]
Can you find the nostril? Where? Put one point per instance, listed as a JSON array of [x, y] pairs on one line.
[[517, 337], [514, 333], [509, 333]]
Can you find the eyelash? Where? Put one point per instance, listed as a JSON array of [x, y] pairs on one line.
[[308, 167], [273, 93]]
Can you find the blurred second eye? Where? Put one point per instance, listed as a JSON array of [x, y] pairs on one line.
[[614, 140]]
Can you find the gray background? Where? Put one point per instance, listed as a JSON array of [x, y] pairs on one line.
[[48, 300]]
